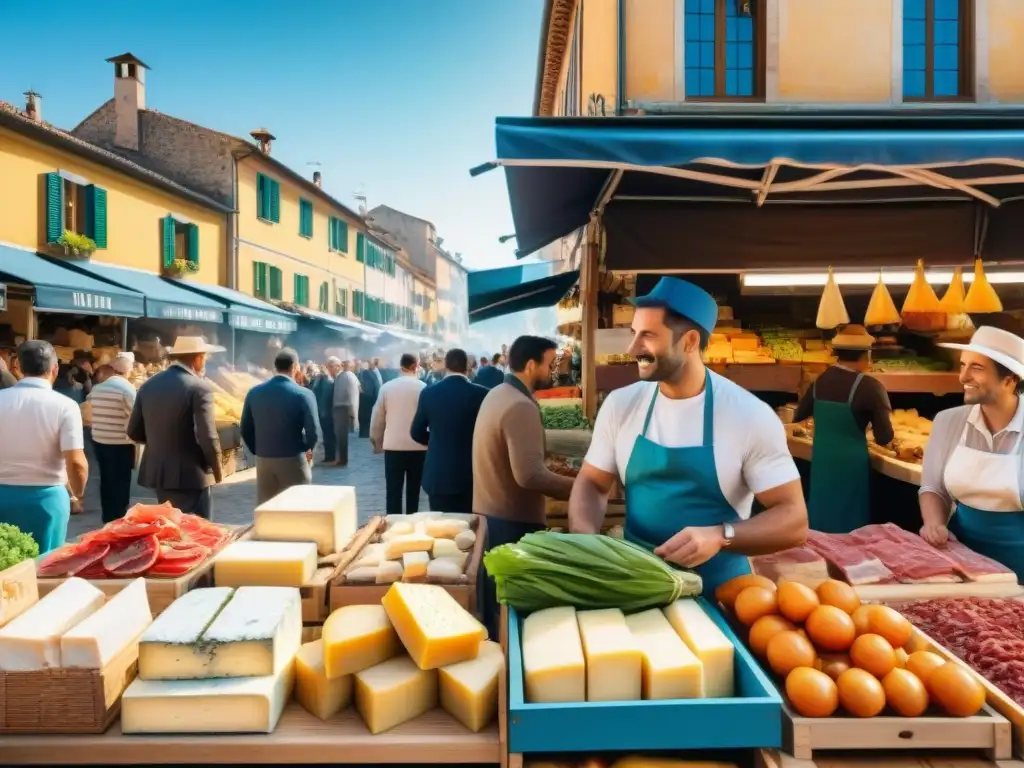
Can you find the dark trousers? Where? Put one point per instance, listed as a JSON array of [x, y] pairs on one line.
[[403, 468], [342, 426], [451, 502], [499, 531], [193, 501], [327, 429], [115, 463], [365, 413]]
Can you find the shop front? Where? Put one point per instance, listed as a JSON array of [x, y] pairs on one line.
[[321, 335]]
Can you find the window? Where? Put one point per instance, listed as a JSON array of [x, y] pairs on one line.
[[300, 285], [724, 49], [358, 303], [338, 236], [74, 205], [180, 242], [259, 280], [276, 284], [341, 303], [305, 218], [268, 199], [938, 38]]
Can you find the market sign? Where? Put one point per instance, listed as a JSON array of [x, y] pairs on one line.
[[261, 323], [178, 312]]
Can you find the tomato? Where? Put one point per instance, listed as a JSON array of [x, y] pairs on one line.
[[133, 559], [71, 560]]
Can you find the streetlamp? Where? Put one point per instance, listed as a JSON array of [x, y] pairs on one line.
[[505, 238]]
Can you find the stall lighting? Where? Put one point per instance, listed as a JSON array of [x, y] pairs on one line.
[[818, 279]]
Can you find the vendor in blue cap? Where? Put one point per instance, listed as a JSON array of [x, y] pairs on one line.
[[692, 449]]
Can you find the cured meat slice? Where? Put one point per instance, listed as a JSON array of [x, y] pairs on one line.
[[910, 558], [973, 566], [72, 560], [797, 564], [147, 513], [133, 559], [843, 552]]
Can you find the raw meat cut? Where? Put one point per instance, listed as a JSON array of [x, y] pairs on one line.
[[973, 566], [797, 564], [844, 553], [910, 558]]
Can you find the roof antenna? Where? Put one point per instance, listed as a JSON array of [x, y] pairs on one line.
[[360, 197]]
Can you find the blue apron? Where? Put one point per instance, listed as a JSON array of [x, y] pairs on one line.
[[42, 510], [998, 535], [668, 489]]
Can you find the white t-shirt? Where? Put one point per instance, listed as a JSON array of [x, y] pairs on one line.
[[751, 454], [37, 425]]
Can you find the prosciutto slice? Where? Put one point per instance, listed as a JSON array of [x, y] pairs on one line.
[[843, 552], [909, 557]]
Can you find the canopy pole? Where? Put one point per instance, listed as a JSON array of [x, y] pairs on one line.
[[589, 283]]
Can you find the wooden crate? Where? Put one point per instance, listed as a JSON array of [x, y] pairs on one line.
[[66, 700], [557, 514], [19, 590], [161, 592], [771, 758], [465, 592], [316, 600]]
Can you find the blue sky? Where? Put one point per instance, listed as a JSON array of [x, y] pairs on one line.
[[394, 98]]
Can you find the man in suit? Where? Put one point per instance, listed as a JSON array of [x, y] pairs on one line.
[[323, 390], [345, 414], [370, 383], [488, 376], [174, 418], [280, 428], [444, 422]]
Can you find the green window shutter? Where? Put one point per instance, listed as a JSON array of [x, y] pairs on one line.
[[342, 236], [259, 279], [360, 247], [168, 230], [341, 304], [262, 196], [325, 297], [358, 303], [96, 215], [332, 234], [193, 244], [276, 286], [305, 218], [54, 207], [275, 202], [297, 289]]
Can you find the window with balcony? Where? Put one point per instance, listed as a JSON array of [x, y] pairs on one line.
[[938, 50], [724, 50], [75, 206]]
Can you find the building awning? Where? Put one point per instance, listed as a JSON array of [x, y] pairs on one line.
[[391, 333], [59, 289], [497, 292], [164, 299], [560, 171], [246, 313], [349, 329]]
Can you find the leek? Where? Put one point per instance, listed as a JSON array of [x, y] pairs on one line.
[[585, 571]]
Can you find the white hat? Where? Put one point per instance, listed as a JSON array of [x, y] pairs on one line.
[[1003, 347], [123, 362], [192, 345]]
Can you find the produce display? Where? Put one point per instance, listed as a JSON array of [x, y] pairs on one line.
[[907, 364], [564, 417], [151, 540], [736, 347], [15, 546], [835, 655], [987, 633]]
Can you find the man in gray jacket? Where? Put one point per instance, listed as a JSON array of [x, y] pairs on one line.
[[346, 401]]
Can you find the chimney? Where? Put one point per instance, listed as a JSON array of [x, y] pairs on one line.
[[129, 99], [317, 178], [34, 105], [263, 137]]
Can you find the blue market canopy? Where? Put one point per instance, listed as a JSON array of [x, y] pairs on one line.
[[497, 292], [58, 289], [560, 171], [245, 312], [349, 329], [165, 300]]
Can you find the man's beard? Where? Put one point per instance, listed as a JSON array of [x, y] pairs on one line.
[[660, 369], [542, 383]]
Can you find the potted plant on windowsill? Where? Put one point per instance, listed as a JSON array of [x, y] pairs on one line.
[[181, 268], [76, 245]]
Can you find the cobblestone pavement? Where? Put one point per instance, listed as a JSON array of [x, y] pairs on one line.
[[235, 499]]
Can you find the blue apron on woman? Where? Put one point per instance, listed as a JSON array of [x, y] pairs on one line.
[[989, 516], [668, 489], [42, 510]]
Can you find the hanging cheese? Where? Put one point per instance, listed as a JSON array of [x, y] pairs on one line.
[[831, 309], [881, 309], [953, 301], [981, 297], [921, 297]]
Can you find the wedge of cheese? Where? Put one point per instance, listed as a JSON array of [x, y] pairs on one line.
[[708, 643], [614, 662], [167, 646], [409, 542], [324, 514], [433, 627], [414, 565], [553, 664], [265, 564], [319, 695], [357, 637], [670, 668], [394, 692], [221, 705], [94, 642], [469, 689], [32, 641]]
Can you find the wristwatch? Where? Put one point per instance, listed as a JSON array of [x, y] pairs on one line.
[[728, 534]]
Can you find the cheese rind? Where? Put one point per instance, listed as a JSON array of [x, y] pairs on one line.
[[99, 638], [414, 565], [670, 668], [433, 627], [469, 689], [265, 564], [32, 641], [708, 643], [319, 695], [394, 692], [614, 662], [357, 637], [220, 705], [553, 665], [324, 514]]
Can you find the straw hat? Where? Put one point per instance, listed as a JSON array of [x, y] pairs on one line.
[[853, 337], [1003, 347], [192, 345]]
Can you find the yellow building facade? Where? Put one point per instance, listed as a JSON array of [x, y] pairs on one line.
[[604, 56]]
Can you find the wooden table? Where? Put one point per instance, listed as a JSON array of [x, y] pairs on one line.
[[770, 758], [905, 471]]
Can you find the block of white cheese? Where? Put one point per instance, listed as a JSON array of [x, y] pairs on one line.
[[445, 548], [19, 590], [265, 564], [553, 665], [319, 695], [394, 692], [324, 514], [167, 647], [414, 565], [101, 637], [614, 662], [670, 668], [222, 705], [409, 542], [32, 641], [469, 689], [708, 643]]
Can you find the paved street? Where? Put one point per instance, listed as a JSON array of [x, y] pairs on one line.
[[235, 499]]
